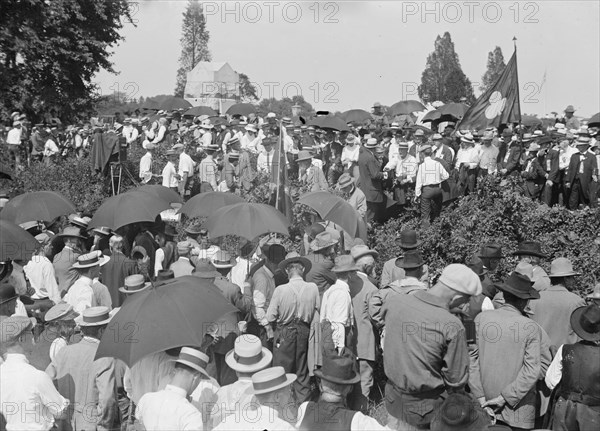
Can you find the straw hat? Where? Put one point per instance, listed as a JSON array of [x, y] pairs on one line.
[[61, 311], [95, 258], [193, 358], [134, 284], [248, 355], [271, 380], [562, 267], [95, 316]]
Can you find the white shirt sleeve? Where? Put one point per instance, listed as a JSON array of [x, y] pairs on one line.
[[159, 258], [554, 373], [487, 304]]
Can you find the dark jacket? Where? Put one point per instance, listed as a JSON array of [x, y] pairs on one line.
[[370, 176], [589, 168]]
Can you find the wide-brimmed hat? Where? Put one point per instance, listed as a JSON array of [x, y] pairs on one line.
[[459, 413], [95, 258], [344, 263], [271, 380], [530, 248], [8, 293], [102, 230], [477, 266], [95, 316], [585, 321], [195, 229], [323, 240], [461, 278], [251, 128], [350, 139], [303, 155], [408, 239], [534, 148], [371, 143], [71, 232], [30, 225], [248, 355], [410, 260], [205, 269], [519, 285], [561, 267], [222, 259], [361, 250], [527, 137], [338, 369], [184, 247], [193, 358], [75, 220], [164, 275], [583, 140], [345, 180], [424, 147], [134, 284], [419, 132], [491, 251], [294, 257], [61, 311], [11, 328], [569, 108], [138, 249]]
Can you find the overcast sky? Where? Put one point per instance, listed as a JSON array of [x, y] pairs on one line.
[[343, 55]]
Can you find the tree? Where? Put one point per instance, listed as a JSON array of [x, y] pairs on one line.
[[443, 78], [194, 43], [50, 51], [247, 90], [283, 107], [495, 67]]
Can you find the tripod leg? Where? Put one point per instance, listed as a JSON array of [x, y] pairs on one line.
[[120, 177]]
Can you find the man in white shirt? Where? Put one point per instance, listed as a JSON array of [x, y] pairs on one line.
[[81, 294], [185, 169], [146, 164], [207, 171], [169, 408], [207, 136], [40, 273], [250, 141], [28, 398], [13, 139], [130, 132], [467, 160], [428, 187], [488, 154], [170, 178], [336, 306], [406, 172], [350, 156], [265, 160]]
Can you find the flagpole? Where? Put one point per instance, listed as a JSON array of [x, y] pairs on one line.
[[518, 89], [279, 164]]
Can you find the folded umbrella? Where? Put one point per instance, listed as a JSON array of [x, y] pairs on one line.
[[196, 111], [15, 242], [174, 314], [405, 107], [241, 109], [337, 210], [127, 208], [161, 192], [248, 220], [37, 206], [205, 204]]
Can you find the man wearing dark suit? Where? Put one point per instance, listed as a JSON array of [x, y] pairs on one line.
[[146, 240], [116, 269], [582, 171], [511, 162], [370, 180], [533, 173], [551, 167]]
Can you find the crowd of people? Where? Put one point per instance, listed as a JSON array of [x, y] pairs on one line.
[[388, 162]]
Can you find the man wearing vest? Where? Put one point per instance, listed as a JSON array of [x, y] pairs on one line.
[[337, 377], [577, 368]]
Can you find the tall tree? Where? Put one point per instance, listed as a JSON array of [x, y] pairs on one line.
[[443, 78], [495, 67], [194, 43], [247, 91], [50, 51], [283, 107]]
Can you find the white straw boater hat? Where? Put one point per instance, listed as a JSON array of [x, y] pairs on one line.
[[91, 259], [134, 284], [271, 380], [95, 316], [248, 355], [194, 359]]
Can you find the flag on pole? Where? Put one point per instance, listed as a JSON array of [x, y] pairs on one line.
[[499, 104]]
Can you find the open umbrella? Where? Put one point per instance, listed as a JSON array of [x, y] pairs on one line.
[[594, 121], [356, 116], [15, 242], [161, 192], [530, 121], [448, 112], [248, 220], [127, 208], [205, 204], [174, 314], [170, 103], [405, 107], [43, 206], [150, 104], [241, 109], [330, 122], [337, 210], [196, 111]]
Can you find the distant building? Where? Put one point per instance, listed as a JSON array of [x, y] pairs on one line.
[[214, 84]]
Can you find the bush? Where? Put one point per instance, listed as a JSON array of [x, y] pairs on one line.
[[498, 212]]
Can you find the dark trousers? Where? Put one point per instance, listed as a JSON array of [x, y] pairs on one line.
[[576, 196], [431, 204], [573, 416], [374, 211], [548, 194], [255, 329], [290, 351], [414, 409], [225, 375]]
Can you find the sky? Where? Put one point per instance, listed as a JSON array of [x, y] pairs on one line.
[[344, 55]]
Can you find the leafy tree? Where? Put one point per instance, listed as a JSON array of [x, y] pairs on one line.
[[495, 67], [194, 43], [50, 51], [283, 107], [443, 78], [247, 90]]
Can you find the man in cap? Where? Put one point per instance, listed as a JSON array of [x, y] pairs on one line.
[[272, 410], [531, 252], [370, 180], [533, 172], [247, 357], [553, 309], [182, 266], [571, 123], [417, 348], [361, 292], [581, 174], [89, 384], [508, 366], [576, 366], [63, 261], [292, 309], [40, 273], [353, 195], [28, 398], [170, 408], [336, 379], [428, 186], [81, 294]]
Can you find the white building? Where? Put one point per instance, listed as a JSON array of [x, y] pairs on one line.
[[214, 84]]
